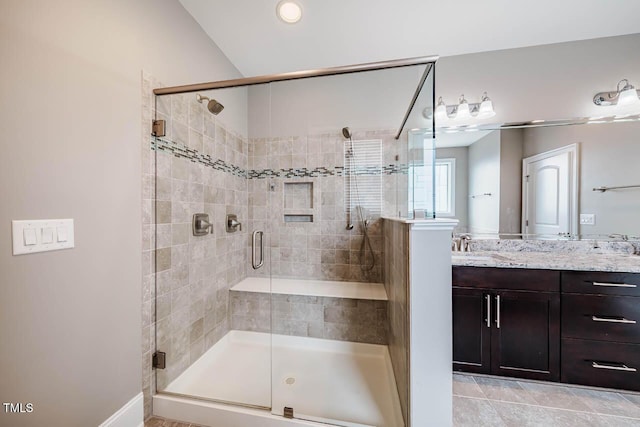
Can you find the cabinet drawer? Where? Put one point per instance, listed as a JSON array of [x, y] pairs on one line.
[[593, 282], [517, 279], [601, 364], [599, 317]]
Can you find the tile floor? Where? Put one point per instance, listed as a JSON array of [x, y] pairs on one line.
[[481, 401], [161, 422]]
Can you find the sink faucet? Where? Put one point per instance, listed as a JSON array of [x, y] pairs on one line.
[[461, 244], [464, 243]]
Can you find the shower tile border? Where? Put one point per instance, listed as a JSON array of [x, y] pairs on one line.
[[182, 151]]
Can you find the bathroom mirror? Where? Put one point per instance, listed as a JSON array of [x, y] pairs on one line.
[[480, 179]]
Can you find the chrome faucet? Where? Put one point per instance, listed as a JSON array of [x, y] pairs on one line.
[[461, 244], [464, 243]]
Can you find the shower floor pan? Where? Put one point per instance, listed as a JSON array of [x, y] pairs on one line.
[[324, 381]]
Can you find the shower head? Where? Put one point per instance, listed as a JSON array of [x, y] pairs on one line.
[[213, 106], [346, 132]]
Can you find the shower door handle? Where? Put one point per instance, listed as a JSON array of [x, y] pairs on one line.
[[254, 237]]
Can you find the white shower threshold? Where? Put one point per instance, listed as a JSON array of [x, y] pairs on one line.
[[325, 382]]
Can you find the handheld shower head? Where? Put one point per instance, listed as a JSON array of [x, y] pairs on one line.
[[213, 106], [346, 132]]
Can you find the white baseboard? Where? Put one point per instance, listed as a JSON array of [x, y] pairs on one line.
[[130, 415]]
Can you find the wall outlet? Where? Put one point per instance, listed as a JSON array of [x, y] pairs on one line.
[[587, 219]]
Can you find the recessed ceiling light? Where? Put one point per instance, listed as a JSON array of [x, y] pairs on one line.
[[289, 11]]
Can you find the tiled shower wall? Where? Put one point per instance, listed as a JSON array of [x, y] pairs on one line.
[[396, 283], [342, 319], [324, 248], [195, 171]]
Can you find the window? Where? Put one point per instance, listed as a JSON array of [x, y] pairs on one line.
[[363, 176], [445, 186], [420, 187]]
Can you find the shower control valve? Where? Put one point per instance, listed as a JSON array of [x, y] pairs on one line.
[[201, 225], [232, 224]]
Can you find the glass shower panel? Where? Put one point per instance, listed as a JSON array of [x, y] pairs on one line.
[[213, 315], [331, 172], [421, 155]]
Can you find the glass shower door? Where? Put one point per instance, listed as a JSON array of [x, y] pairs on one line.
[[212, 309], [335, 163]]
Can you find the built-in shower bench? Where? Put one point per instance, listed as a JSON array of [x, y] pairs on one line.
[[345, 311]]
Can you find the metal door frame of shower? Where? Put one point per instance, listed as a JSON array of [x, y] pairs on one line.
[[429, 61]]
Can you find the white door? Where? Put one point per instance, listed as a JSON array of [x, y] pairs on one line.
[[550, 193]]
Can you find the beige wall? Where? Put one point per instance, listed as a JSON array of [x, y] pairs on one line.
[[511, 147], [494, 167], [70, 114], [542, 82], [484, 177]]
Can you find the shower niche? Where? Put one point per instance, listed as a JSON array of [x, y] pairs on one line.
[[298, 202]]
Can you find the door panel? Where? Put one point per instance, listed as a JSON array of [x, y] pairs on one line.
[[471, 335], [526, 336], [548, 195]]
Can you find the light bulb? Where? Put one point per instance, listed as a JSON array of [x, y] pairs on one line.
[[463, 112], [441, 110], [289, 11], [628, 96], [628, 102], [486, 108]]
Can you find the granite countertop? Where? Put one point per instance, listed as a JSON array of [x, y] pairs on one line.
[[613, 262]]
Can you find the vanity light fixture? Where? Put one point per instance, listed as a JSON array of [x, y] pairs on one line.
[[626, 99], [465, 110], [289, 11]]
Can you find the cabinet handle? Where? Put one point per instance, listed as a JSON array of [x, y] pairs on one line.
[[614, 285], [613, 320], [498, 311], [488, 298], [620, 367]]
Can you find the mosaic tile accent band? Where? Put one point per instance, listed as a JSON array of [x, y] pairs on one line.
[[182, 151]]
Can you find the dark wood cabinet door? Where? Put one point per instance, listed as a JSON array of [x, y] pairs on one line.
[[526, 335], [471, 335]]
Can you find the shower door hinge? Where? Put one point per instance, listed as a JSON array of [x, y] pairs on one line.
[[159, 360], [288, 412], [159, 128]]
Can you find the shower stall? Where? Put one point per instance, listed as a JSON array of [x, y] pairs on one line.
[[267, 201]]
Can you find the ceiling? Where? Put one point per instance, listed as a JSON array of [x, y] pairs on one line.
[[344, 32]]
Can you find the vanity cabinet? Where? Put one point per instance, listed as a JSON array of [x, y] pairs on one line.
[[507, 322], [601, 329]]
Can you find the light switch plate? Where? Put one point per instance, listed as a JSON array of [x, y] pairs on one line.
[[47, 228], [587, 219]]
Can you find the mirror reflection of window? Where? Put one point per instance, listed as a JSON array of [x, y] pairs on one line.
[[445, 187]]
